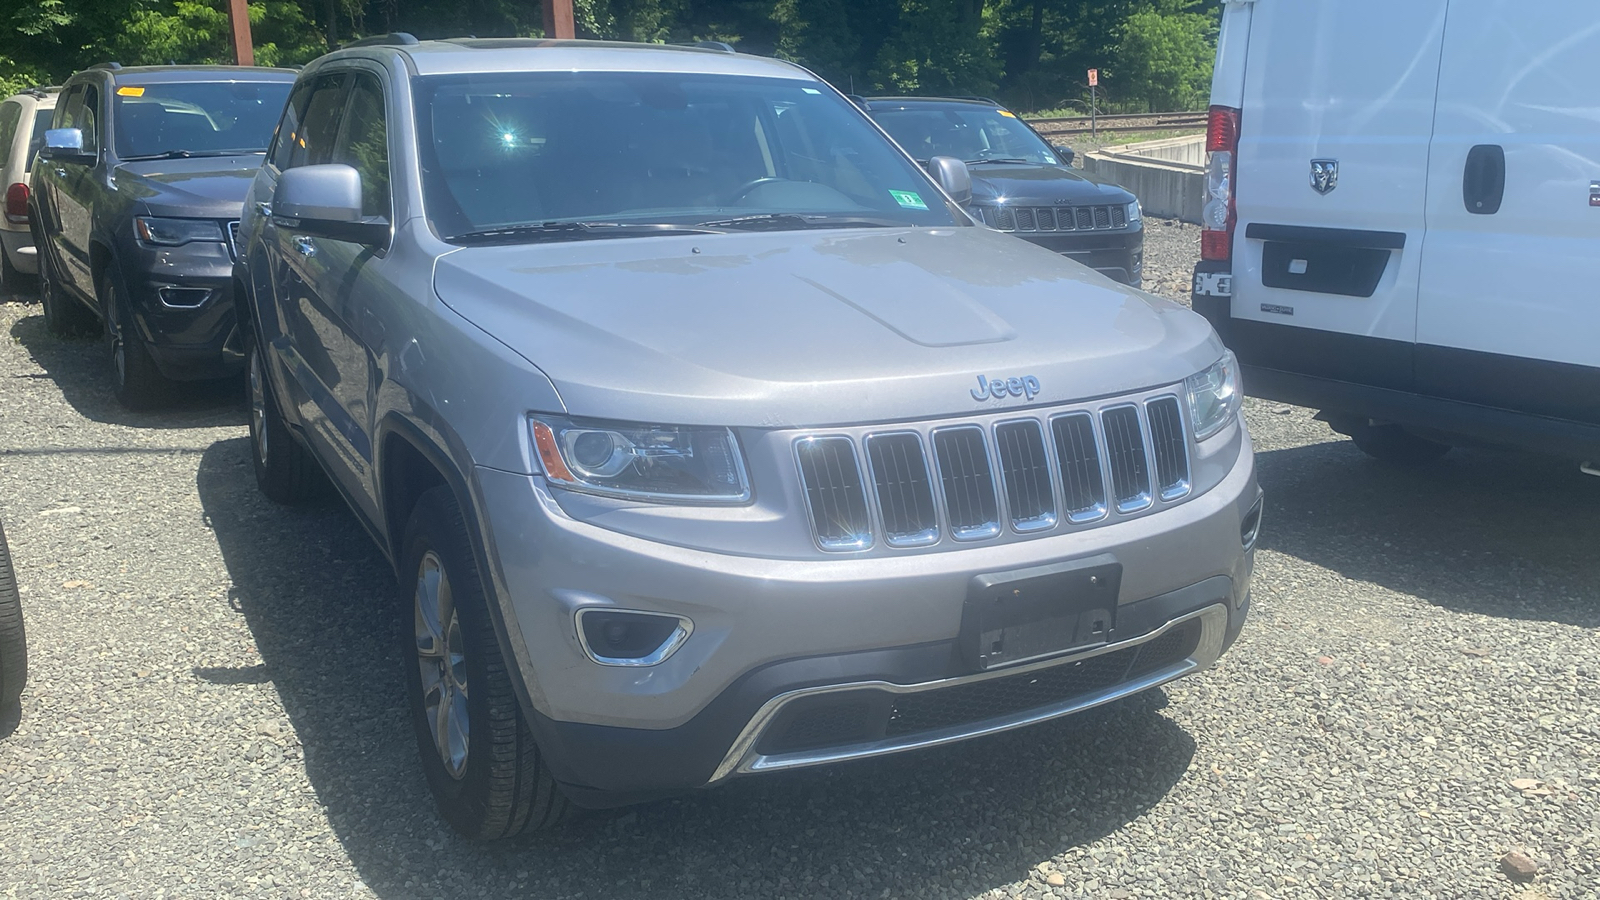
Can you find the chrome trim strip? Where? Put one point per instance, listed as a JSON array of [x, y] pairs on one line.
[[976, 532], [902, 541], [1099, 510], [1038, 523], [1184, 485], [1138, 502], [658, 656], [742, 757]]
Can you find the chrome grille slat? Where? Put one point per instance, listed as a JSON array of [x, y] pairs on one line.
[[1078, 457], [832, 481], [1025, 471], [904, 490], [1125, 449], [1170, 446], [962, 455]]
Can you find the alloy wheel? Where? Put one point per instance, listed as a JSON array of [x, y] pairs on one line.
[[441, 662], [258, 405]]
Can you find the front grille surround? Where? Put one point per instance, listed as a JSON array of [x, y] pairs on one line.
[[927, 497], [1047, 219]]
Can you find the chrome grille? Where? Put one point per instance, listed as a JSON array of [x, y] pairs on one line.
[[1130, 472], [1053, 218], [1022, 472], [905, 493], [1169, 445], [1025, 471], [968, 482], [832, 480], [1083, 485]]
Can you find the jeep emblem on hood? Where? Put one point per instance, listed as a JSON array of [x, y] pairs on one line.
[[999, 388]]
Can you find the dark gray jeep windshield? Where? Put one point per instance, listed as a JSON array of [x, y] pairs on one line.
[[977, 134], [525, 155], [196, 118]]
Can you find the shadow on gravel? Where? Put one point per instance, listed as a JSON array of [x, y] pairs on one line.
[[81, 367], [1498, 533], [956, 821]]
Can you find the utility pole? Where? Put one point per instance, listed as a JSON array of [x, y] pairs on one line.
[[557, 19], [244, 50]]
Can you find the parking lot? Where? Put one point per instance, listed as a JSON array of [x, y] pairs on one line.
[[215, 704]]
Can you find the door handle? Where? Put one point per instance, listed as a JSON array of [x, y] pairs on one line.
[[1483, 179], [265, 209], [305, 245]]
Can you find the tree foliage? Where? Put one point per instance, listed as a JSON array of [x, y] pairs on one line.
[[1032, 53]]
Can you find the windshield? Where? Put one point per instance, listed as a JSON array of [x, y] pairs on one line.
[[527, 149], [977, 134], [197, 118]]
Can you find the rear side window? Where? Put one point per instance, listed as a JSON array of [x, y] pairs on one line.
[[288, 133], [365, 145], [41, 124], [81, 112], [10, 113], [313, 144]]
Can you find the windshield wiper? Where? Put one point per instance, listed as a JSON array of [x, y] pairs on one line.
[[784, 221], [997, 159], [189, 154], [576, 231]]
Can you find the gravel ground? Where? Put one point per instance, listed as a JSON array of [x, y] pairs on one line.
[[215, 708]]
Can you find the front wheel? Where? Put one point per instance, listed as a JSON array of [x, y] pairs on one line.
[[13, 643], [137, 381], [487, 775]]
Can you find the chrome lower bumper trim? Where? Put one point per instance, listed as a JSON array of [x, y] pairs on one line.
[[742, 757]]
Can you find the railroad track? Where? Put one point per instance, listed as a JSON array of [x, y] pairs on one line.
[[1147, 122]]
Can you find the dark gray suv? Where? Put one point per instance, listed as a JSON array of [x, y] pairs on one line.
[[135, 197], [708, 436]]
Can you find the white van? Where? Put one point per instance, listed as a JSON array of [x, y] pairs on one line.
[[1403, 221]]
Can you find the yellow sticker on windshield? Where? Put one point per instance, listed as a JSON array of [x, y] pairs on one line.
[[130, 92], [1007, 113]]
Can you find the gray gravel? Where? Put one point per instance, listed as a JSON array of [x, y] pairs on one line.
[[214, 707]]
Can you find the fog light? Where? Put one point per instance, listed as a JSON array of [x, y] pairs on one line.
[[623, 637]]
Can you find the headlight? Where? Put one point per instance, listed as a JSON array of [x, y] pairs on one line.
[[1133, 213], [176, 232], [1214, 396], [644, 462]]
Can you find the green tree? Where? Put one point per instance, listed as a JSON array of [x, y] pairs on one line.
[[1165, 58]]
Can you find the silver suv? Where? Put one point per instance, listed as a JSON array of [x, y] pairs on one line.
[[706, 432]]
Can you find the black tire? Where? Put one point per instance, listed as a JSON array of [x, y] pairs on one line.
[[497, 785], [63, 315], [1393, 444], [286, 472], [135, 379], [13, 643]]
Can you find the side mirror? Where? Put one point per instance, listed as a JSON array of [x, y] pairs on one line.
[[64, 144], [325, 200], [953, 176], [1066, 153]]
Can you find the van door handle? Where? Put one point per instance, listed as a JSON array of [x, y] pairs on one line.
[[306, 246], [1483, 180]]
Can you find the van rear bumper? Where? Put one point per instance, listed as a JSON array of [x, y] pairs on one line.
[[1370, 378]]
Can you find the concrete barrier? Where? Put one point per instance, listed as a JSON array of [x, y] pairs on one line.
[[1168, 176]]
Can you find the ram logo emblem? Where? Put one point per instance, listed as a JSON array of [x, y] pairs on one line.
[[1324, 175]]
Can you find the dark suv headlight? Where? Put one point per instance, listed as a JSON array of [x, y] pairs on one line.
[[165, 232], [668, 463]]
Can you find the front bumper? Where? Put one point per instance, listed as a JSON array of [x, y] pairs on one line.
[[765, 629], [182, 300]]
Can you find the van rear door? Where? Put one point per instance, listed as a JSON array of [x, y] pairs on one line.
[[1336, 119], [1509, 308]]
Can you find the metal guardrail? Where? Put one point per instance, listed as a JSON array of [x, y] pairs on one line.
[[1147, 122]]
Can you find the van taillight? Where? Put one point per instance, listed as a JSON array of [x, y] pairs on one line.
[[17, 204], [1218, 216]]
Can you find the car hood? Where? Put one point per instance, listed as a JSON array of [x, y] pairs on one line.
[[811, 328], [205, 187], [1044, 185]]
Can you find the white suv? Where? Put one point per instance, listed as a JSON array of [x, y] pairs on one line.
[[24, 118]]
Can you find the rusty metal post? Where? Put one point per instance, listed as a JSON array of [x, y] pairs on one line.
[[558, 19], [244, 50]]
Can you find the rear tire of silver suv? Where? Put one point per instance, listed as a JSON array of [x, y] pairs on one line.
[[487, 775], [286, 472]]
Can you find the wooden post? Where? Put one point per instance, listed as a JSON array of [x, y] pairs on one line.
[[244, 51], [558, 19]]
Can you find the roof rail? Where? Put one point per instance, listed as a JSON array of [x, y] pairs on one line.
[[977, 98], [41, 90], [719, 46], [393, 39], [113, 66]]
